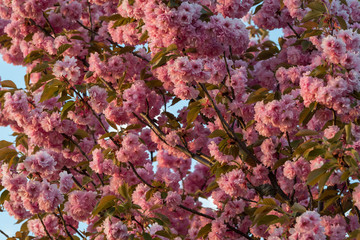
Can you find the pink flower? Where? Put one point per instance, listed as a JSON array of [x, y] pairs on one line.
[[41, 162], [80, 204], [115, 229], [66, 181], [331, 131], [98, 98], [67, 68], [173, 199], [50, 197], [233, 183]]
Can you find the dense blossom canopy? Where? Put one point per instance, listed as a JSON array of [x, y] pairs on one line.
[[267, 131]]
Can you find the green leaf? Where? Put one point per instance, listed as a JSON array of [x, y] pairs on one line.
[[306, 132], [192, 114], [39, 83], [324, 178], [8, 84], [34, 55], [40, 67], [80, 134], [315, 175], [266, 54], [50, 90], [258, 7], [146, 236], [218, 133], [108, 135], [110, 18], [204, 231], [88, 74], [298, 208], [105, 202], [258, 95], [305, 45], [319, 71], [63, 48], [317, 6], [348, 133], [312, 33], [305, 116], [267, 220], [5, 195], [66, 108], [212, 186], [312, 15], [7, 153], [124, 191], [304, 146], [123, 21], [164, 218], [268, 201], [315, 153], [342, 22], [144, 37], [4, 144]]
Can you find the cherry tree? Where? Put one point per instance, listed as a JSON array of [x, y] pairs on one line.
[[268, 131]]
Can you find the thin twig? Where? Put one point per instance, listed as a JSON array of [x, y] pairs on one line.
[[84, 154], [242, 145], [112, 42], [138, 176], [289, 142], [75, 180], [200, 158], [48, 22], [292, 29], [231, 228], [64, 223], [41, 28], [42, 223], [311, 198], [75, 229], [4, 234]]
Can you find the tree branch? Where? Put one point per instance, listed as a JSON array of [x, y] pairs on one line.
[[64, 223], [4, 234], [42, 223], [200, 158], [212, 218]]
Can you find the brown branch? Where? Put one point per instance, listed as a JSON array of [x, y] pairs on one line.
[[48, 22], [75, 180], [292, 29], [198, 157], [4, 234], [41, 28], [138, 176], [42, 223], [64, 223], [84, 154], [111, 41], [229, 131], [76, 231], [242, 145], [231, 228]]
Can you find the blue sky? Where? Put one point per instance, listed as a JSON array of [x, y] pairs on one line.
[[16, 74]]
